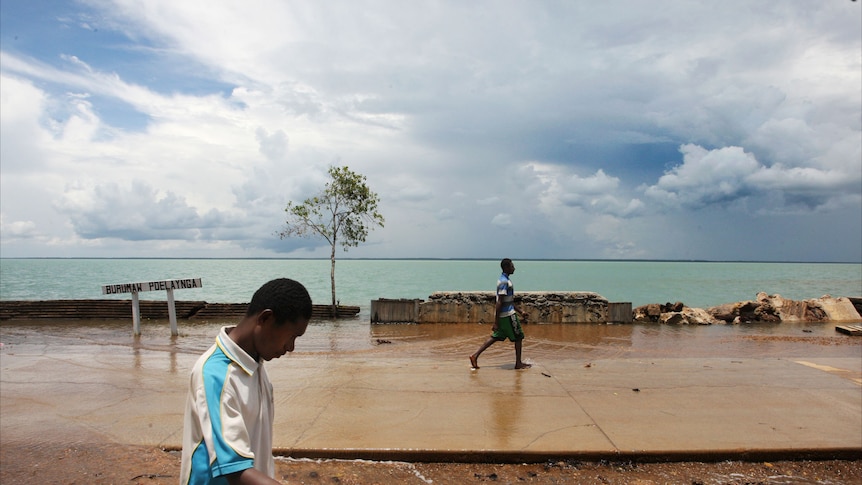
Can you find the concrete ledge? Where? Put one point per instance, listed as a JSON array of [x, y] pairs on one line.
[[514, 457]]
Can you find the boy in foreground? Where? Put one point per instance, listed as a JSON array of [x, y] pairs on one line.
[[227, 432], [507, 324]]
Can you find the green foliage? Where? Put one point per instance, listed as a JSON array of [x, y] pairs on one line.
[[342, 213]]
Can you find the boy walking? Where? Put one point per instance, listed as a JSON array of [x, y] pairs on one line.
[[227, 432], [507, 318]]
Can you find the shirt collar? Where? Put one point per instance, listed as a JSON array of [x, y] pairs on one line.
[[235, 353]]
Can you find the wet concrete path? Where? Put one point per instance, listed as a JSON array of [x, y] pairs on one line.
[[416, 398]]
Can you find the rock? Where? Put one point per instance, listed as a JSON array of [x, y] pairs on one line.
[[689, 316], [745, 312], [672, 318], [765, 312], [725, 313], [791, 310], [702, 317], [647, 313], [837, 309], [823, 309], [764, 308]]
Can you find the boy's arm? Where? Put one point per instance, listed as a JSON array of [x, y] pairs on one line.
[[497, 305], [251, 476], [520, 312]]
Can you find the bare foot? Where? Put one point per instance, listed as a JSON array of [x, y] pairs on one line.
[[473, 362], [523, 365]]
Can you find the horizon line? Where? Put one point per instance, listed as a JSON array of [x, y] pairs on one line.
[[267, 258]]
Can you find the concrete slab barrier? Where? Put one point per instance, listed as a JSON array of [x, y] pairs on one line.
[[478, 307]]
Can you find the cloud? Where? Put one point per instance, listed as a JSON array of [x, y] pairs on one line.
[[18, 229], [612, 235], [502, 220], [598, 193], [445, 214], [21, 128], [411, 193], [135, 213], [274, 146], [729, 175], [578, 129], [706, 177]]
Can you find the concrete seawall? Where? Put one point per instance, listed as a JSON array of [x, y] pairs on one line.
[[478, 307], [150, 309]]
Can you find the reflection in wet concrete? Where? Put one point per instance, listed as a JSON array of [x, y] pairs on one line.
[[506, 408]]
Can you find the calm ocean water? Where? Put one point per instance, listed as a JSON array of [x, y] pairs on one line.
[[697, 284], [360, 281]]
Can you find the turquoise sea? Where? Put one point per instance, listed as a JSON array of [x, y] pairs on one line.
[[697, 284]]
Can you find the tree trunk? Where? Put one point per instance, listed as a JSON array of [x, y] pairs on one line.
[[332, 281]]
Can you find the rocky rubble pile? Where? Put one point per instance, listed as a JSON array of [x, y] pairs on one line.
[[765, 308]]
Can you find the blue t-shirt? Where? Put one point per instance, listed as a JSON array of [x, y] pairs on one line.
[[506, 292]]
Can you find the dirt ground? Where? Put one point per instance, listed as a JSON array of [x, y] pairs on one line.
[[117, 464]]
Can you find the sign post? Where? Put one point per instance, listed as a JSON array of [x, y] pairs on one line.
[[168, 285]]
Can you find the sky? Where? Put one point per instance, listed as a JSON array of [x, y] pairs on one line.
[[682, 130]]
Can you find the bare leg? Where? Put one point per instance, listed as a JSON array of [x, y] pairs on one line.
[[519, 364], [474, 359]]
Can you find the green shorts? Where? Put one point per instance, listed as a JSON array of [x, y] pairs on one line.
[[509, 328]]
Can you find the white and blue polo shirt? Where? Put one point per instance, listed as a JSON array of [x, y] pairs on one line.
[[506, 293], [228, 417]]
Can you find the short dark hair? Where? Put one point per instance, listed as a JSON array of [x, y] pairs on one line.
[[505, 262], [288, 300]]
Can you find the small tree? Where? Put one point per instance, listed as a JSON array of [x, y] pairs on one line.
[[343, 213]]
